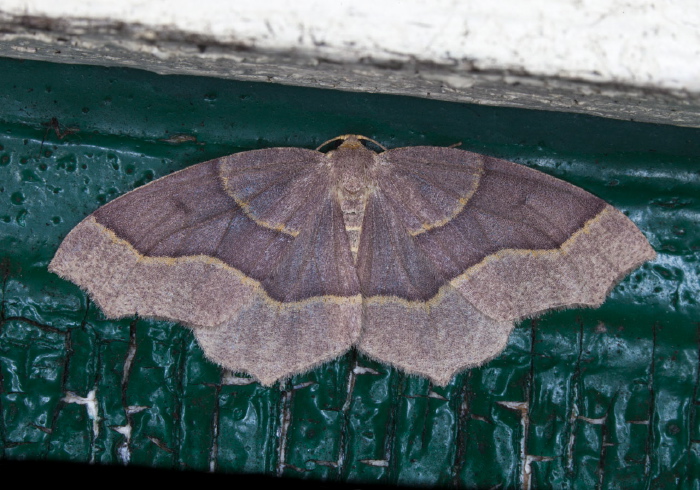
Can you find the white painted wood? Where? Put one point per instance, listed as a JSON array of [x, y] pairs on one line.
[[635, 59]]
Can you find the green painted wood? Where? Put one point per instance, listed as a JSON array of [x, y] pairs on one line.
[[604, 398]]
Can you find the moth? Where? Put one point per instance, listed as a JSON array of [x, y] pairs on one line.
[[284, 258]]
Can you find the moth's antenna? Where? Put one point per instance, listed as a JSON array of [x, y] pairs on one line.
[[349, 136]]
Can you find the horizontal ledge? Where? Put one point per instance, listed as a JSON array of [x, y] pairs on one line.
[[256, 49]]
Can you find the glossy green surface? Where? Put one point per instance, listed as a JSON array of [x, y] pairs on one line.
[[603, 398]]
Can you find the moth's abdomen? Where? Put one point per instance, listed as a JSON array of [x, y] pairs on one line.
[[353, 206]]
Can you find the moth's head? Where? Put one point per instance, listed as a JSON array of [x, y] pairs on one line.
[[351, 142]]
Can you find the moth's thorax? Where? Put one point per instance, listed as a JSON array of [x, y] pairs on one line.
[[353, 169]]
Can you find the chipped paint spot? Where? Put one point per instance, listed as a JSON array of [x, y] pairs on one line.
[[90, 403]]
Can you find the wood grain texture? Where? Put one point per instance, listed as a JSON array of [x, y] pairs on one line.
[[284, 258]]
